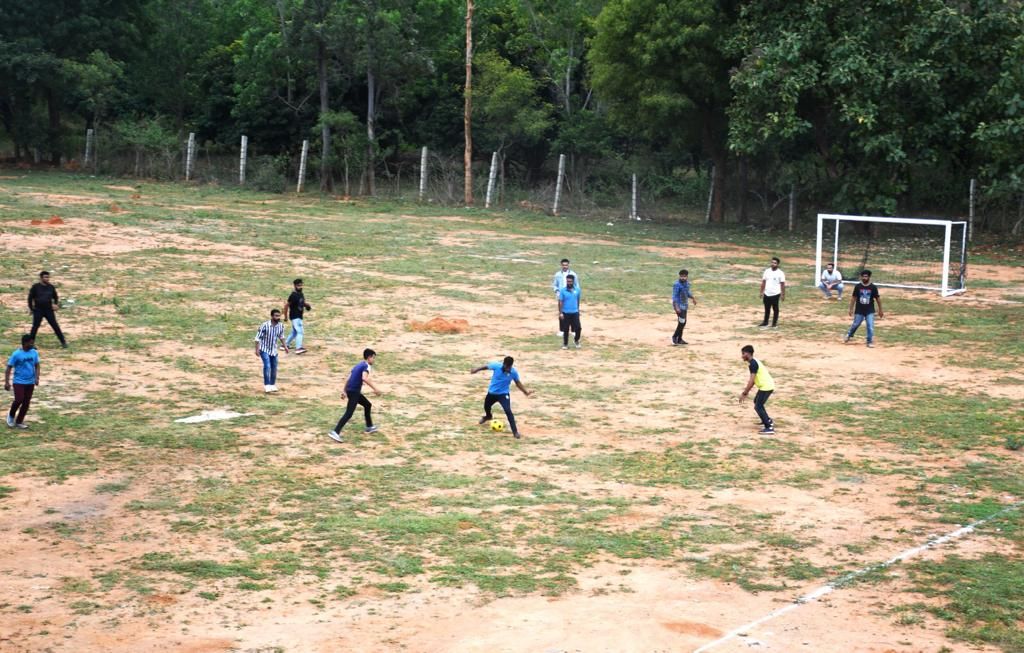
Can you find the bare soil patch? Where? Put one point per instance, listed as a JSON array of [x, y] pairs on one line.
[[646, 402]]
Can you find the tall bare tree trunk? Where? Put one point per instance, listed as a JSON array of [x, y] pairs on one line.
[[282, 16], [326, 179], [714, 145], [371, 83], [467, 113], [742, 169], [53, 133]]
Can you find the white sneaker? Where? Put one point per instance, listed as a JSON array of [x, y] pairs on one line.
[[266, 388], [10, 420], [273, 388], [577, 345], [334, 435], [565, 346], [846, 339]]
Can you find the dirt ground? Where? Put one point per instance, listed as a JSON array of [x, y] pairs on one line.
[[619, 605]]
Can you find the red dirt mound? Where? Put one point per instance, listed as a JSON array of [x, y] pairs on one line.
[[440, 325], [114, 208], [54, 219]]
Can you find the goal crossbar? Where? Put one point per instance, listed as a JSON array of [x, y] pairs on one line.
[[947, 226]]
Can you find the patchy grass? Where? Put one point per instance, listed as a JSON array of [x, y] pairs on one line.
[[982, 598], [634, 454]]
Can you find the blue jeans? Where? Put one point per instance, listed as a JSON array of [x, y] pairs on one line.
[[828, 293], [759, 401], [506, 405], [857, 319], [269, 368], [296, 334]]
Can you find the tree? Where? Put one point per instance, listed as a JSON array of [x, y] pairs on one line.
[[99, 78], [391, 45], [1000, 135], [38, 40], [467, 113], [166, 74], [863, 97], [509, 109], [661, 67]]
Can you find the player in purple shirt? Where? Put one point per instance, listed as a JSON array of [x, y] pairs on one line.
[[353, 392]]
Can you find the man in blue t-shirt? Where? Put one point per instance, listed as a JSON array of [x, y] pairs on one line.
[[503, 374], [681, 296], [24, 363], [353, 392], [569, 311]]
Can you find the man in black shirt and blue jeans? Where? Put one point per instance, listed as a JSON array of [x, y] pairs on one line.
[[43, 301], [863, 300], [294, 309]]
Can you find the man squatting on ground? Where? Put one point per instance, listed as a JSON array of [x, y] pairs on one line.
[[558, 282], [42, 302], [503, 374], [267, 338], [294, 308], [680, 294], [760, 377], [25, 364], [569, 311], [773, 290], [353, 392], [831, 279]]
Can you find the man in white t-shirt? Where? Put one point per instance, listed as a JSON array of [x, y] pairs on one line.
[[831, 279], [773, 290]]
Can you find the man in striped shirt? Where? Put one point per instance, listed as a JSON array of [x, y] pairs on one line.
[[268, 336]]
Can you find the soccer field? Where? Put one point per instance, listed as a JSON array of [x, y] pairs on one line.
[[641, 511]]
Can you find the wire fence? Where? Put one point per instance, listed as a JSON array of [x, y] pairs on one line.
[[604, 189]]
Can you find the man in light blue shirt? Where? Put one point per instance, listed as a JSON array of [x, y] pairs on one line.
[[24, 363], [503, 374], [569, 311], [559, 282]]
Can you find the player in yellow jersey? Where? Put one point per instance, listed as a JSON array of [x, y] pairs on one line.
[[760, 377]]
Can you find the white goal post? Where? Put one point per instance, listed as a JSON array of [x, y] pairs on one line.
[[901, 252]]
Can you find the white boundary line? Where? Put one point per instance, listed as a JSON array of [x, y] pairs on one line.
[[839, 582]]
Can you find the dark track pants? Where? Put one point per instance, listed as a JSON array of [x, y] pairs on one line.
[[22, 399], [571, 322], [771, 304], [760, 399], [680, 325], [506, 405], [39, 314], [355, 399]]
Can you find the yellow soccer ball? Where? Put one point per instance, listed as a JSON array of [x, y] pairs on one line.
[[497, 425]]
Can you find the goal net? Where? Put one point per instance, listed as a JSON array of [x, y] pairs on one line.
[[900, 252]]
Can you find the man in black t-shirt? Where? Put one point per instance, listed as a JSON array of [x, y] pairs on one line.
[[42, 302], [294, 308], [862, 307]]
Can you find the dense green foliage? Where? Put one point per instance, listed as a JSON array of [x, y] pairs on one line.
[[885, 106]]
